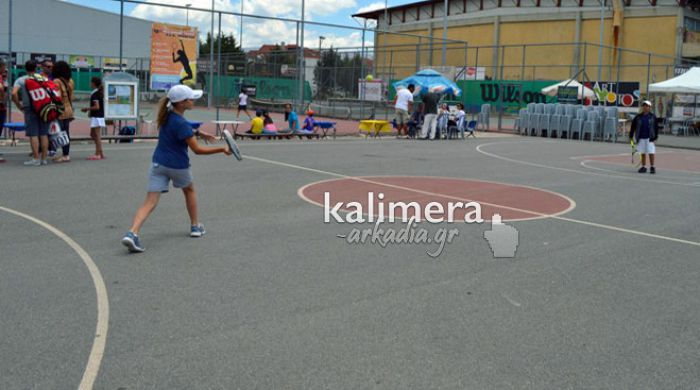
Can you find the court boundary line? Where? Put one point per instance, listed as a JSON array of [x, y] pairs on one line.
[[572, 220], [94, 361], [587, 164], [538, 165], [621, 164], [572, 203]]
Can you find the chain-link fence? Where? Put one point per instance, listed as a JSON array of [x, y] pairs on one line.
[[314, 68]]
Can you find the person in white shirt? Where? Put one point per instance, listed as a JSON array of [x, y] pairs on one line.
[[403, 104], [243, 104]]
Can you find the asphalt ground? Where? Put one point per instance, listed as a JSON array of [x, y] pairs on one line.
[[604, 296]]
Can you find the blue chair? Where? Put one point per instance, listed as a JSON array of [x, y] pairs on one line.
[[12, 128]]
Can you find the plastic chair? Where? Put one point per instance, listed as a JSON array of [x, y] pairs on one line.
[[442, 121], [565, 126], [484, 119], [554, 126], [577, 123], [590, 126], [471, 129]]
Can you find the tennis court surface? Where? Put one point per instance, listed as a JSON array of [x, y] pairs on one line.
[[602, 292]]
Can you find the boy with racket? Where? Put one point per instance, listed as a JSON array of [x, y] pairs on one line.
[[171, 163], [645, 130]]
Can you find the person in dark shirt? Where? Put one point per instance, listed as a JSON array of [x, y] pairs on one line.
[[96, 112], [185, 61], [430, 103], [645, 131]]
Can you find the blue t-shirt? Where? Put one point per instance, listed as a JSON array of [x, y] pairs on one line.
[[645, 127], [171, 151], [293, 121]]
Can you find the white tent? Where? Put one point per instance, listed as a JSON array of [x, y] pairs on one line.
[[583, 92], [688, 82]]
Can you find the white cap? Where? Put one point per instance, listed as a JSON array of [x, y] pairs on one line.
[[647, 103], [178, 93]]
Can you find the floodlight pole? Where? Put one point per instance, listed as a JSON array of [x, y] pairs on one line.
[[121, 33], [302, 65], [240, 29], [10, 62], [444, 34], [600, 47], [211, 59]]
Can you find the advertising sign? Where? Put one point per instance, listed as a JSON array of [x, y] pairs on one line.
[[173, 56]]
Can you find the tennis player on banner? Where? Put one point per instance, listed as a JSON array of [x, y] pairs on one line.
[[171, 163]]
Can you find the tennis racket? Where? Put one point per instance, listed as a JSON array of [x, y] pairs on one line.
[[635, 155], [232, 145]]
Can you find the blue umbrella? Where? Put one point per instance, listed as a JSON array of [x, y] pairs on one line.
[[429, 79]]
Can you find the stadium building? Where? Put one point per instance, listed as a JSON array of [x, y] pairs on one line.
[[643, 40]]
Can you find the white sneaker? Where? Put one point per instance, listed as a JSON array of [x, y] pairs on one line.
[[44, 162], [32, 163]]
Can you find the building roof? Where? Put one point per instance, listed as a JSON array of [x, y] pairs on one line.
[[267, 49]]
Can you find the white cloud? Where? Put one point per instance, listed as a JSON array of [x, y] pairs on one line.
[[370, 7], [257, 32]]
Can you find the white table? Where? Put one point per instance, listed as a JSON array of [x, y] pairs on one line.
[[221, 126]]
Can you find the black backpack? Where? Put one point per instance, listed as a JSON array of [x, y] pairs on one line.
[[127, 131]]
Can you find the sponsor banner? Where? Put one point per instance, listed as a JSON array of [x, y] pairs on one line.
[[173, 55], [77, 61]]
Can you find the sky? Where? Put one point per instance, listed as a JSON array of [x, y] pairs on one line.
[[257, 31]]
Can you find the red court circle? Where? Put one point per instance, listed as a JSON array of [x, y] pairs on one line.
[[512, 202]]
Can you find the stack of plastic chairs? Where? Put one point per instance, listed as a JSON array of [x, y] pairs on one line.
[[591, 125], [484, 120], [523, 122], [610, 124], [577, 123], [555, 121]]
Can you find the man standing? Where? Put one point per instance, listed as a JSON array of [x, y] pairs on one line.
[[645, 130], [403, 105], [36, 129], [430, 104]]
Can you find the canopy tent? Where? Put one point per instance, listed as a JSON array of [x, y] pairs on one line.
[[429, 80], [583, 91], [688, 82]]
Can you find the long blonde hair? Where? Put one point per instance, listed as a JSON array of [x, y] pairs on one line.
[[162, 111]]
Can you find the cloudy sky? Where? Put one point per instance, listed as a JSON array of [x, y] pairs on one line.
[[258, 31]]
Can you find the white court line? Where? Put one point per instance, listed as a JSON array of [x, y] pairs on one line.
[[600, 174], [536, 215], [587, 164], [100, 337], [577, 221], [246, 144]]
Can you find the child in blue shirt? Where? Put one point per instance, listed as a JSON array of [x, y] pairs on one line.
[[171, 162]]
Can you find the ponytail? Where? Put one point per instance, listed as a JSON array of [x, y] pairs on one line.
[[162, 111]]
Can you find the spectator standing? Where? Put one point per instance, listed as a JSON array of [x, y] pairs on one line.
[[403, 104], [64, 82], [430, 102], [36, 129], [96, 112]]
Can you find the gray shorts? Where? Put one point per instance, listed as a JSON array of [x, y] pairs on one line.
[[159, 178], [33, 125], [401, 116]]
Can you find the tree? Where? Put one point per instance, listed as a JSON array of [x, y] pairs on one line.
[[228, 45]]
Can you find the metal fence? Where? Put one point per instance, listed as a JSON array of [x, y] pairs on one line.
[[327, 78]]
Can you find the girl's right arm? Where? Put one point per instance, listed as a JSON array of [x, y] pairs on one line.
[[197, 149]]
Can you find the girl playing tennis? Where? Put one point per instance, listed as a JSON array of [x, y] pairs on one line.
[[171, 163]]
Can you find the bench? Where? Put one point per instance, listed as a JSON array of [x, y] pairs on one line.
[[275, 136]]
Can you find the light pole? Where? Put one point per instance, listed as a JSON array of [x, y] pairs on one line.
[[321, 38], [600, 48], [240, 29], [444, 34], [187, 23]]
